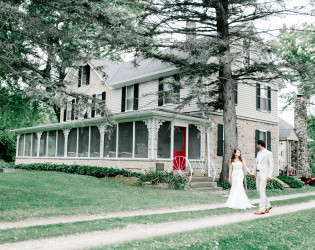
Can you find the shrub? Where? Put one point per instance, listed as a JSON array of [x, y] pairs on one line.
[[251, 184], [224, 185], [99, 172], [291, 181], [155, 177]]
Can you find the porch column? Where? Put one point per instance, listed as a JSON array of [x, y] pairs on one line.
[[66, 134], [153, 126], [102, 129], [39, 135], [202, 130], [17, 145]]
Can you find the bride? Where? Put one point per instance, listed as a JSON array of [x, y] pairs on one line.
[[238, 198]]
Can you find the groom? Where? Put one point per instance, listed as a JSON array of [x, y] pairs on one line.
[[263, 172]]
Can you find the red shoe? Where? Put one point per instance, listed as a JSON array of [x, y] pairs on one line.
[[258, 212], [267, 210]]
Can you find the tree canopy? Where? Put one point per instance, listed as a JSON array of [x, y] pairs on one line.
[[294, 48]]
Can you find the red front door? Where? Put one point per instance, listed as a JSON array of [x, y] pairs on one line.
[[179, 163]]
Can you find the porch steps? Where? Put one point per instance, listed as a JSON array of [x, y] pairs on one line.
[[204, 184]]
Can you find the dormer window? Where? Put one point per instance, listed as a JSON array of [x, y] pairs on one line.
[[84, 75]]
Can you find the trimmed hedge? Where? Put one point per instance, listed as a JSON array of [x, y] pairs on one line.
[[291, 181], [251, 184], [99, 172]]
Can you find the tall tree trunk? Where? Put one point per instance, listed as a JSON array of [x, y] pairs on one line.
[[227, 86]]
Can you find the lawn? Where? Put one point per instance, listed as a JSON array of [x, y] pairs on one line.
[[290, 231], [34, 194], [40, 194], [46, 231]]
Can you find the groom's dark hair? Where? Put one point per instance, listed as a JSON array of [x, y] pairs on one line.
[[262, 143]]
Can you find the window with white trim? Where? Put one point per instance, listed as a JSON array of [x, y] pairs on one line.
[[69, 110], [97, 107], [263, 97], [129, 98]]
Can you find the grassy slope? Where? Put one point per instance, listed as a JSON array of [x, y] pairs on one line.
[[40, 194], [36, 194]]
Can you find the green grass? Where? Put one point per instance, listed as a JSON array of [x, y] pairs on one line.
[[34, 194], [38, 232], [276, 192], [290, 231]]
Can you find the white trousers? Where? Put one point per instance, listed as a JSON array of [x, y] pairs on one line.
[[261, 184]]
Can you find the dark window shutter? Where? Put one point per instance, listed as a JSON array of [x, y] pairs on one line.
[[79, 76], [136, 96], [235, 92], [269, 140], [93, 107], [87, 70], [220, 140], [160, 97], [65, 114], [123, 99], [269, 99], [104, 96], [73, 110], [256, 140], [257, 96]]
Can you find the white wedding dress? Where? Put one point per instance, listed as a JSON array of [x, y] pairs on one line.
[[238, 198]]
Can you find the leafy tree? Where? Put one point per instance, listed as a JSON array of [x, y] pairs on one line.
[[40, 40], [203, 39], [311, 145], [294, 48], [17, 110]]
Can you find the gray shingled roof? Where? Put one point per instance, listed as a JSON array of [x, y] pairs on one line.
[[285, 129]]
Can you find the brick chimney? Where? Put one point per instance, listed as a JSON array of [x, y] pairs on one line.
[[300, 125]]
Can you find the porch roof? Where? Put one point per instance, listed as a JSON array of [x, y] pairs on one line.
[[120, 117]]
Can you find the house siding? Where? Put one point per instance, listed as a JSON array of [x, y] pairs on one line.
[[246, 106]]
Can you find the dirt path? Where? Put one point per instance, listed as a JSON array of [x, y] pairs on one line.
[[69, 219], [137, 232]]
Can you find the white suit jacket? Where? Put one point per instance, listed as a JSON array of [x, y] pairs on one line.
[[265, 166]]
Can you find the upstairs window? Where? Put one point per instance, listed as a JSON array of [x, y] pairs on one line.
[[130, 98], [69, 112], [84, 75], [169, 91], [263, 97], [82, 108], [96, 110]]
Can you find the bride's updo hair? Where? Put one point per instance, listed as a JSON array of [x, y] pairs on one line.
[[234, 156]]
